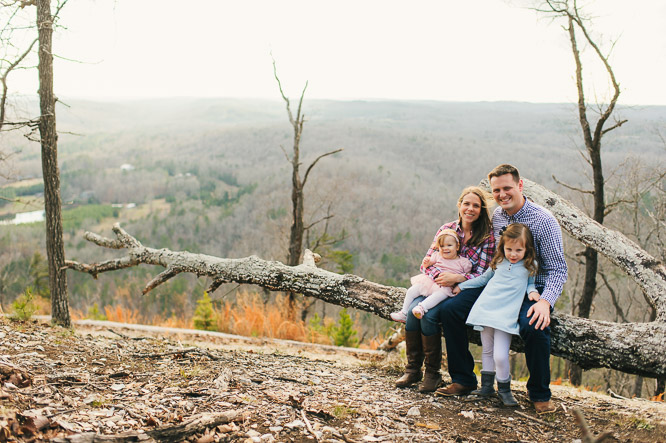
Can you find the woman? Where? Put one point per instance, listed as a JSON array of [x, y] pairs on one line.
[[423, 337]]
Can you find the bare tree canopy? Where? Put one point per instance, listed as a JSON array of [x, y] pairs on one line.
[[635, 348]]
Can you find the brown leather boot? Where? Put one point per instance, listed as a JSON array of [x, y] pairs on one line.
[[415, 357], [432, 349]]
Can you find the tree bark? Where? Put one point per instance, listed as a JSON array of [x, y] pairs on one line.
[[55, 249]]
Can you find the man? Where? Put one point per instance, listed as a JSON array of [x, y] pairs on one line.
[[534, 317]]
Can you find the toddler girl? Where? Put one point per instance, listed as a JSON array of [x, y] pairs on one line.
[[445, 258], [495, 312]]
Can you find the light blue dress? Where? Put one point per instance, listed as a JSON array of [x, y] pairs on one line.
[[499, 303]]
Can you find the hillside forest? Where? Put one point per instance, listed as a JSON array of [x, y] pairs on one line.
[[210, 176]]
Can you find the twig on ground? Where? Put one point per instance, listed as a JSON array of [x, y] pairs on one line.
[[614, 395], [534, 419], [178, 352], [118, 334], [308, 425], [587, 434]]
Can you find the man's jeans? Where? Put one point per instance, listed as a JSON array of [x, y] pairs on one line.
[[537, 354]]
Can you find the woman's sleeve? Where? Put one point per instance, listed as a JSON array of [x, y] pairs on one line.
[[483, 257], [467, 266]]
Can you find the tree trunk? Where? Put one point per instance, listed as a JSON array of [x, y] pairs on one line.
[[55, 249], [585, 303], [297, 227], [660, 390], [591, 256], [638, 387], [296, 235]]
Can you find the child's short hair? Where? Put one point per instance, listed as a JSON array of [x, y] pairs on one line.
[[450, 233], [516, 231]]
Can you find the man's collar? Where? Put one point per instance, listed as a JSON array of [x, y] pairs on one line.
[[520, 211]]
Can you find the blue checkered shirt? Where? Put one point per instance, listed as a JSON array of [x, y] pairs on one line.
[[547, 235]]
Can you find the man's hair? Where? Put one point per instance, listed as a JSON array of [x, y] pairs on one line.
[[505, 169]]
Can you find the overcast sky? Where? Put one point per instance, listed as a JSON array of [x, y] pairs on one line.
[[480, 50]]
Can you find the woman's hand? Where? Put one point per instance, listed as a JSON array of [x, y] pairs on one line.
[[449, 279]]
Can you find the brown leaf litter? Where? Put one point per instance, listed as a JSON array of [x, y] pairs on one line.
[[94, 385]]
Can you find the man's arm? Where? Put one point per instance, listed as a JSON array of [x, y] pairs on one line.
[[552, 260]]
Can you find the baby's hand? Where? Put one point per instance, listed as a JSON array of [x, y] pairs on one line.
[[455, 290], [534, 296], [426, 262]]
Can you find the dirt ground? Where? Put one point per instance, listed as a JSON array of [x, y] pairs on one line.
[[112, 382]]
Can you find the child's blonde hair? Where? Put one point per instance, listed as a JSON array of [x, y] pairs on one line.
[[516, 231], [450, 233]]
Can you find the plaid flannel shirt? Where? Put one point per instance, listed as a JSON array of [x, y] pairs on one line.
[[480, 256], [547, 235]]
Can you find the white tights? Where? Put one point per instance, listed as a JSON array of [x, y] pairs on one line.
[[495, 355], [431, 300]]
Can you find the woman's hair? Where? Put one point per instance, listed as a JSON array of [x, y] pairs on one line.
[[516, 231], [482, 227], [450, 233]]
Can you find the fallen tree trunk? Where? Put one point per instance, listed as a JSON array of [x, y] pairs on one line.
[[630, 347]]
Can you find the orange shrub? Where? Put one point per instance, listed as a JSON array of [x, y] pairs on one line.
[[249, 316], [123, 315]]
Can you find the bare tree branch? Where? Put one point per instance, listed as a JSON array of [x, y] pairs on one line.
[[285, 154], [161, 278], [307, 172], [618, 308], [573, 188], [3, 80], [284, 97], [327, 217], [616, 125]]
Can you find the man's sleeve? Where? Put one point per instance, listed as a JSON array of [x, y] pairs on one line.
[[552, 259]]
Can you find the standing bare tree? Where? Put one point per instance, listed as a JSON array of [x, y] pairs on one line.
[[55, 248], [46, 123], [592, 136], [298, 227]]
